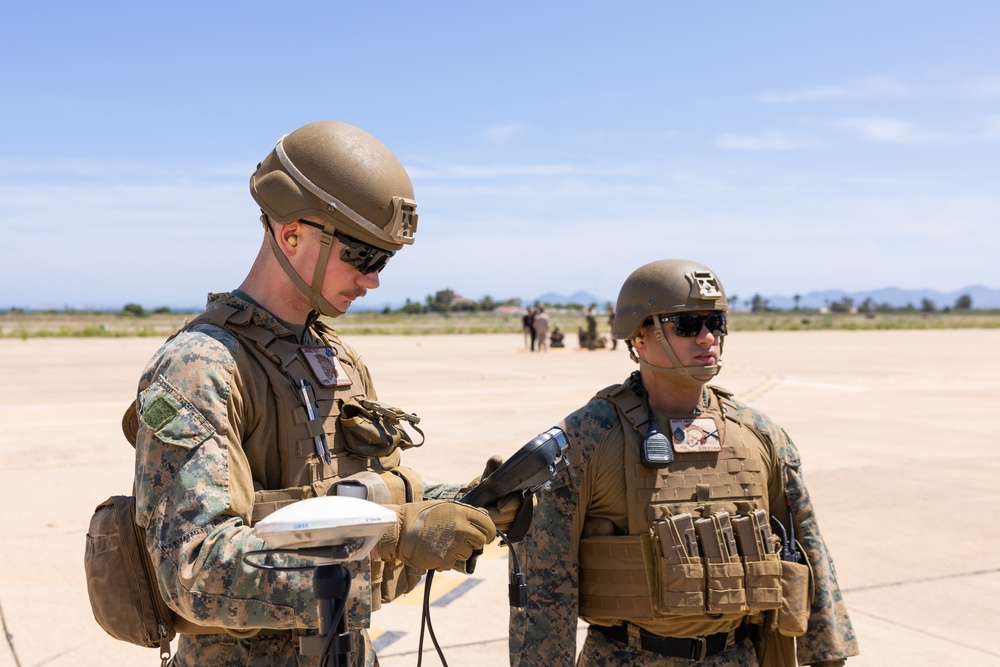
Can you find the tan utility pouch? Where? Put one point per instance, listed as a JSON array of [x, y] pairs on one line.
[[372, 428], [723, 569], [680, 577], [793, 615], [725, 586], [763, 581], [123, 593], [680, 586], [761, 565]]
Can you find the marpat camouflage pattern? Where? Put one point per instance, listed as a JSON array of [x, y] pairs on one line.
[[201, 450]]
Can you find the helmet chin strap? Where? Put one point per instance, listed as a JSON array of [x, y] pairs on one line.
[[695, 373], [316, 300]]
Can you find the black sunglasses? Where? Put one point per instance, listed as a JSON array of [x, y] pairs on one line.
[[364, 257], [690, 324]]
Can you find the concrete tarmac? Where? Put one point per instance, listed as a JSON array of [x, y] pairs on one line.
[[894, 427]]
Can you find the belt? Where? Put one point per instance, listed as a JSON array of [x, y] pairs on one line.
[[695, 649]]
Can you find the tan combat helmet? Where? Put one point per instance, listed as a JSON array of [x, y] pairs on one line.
[[667, 286], [341, 176]]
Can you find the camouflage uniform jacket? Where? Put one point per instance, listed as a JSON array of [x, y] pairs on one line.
[[200, 456], [544, 633]]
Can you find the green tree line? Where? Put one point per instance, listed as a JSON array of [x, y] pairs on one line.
[[758, 304]]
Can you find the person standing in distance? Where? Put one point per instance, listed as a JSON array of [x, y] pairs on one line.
[[611, 323], [676, 529], [541, 327], [256, 403]]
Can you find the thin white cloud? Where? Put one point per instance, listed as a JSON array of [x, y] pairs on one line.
[[768, 141], [889, 130], [985, 87], [876, 86], [893, 130], [501, 134]]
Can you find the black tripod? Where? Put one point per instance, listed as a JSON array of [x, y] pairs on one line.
[[331, 583], [334, 644]]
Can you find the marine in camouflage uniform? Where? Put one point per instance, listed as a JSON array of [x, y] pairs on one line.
[[591, 499], [221, 439]]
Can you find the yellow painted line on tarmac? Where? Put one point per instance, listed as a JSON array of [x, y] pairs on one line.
[[835, 386], [445, 583], [448, 586], [382, 639], [756, 392]]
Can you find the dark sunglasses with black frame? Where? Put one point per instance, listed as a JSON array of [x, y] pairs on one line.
[[687, 325], [365, 257]]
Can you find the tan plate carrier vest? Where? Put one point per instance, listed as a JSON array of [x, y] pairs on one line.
[[303, 473], [627, 577]]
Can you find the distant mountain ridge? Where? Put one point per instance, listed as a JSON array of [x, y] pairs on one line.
[[984, 298], [579, 297]]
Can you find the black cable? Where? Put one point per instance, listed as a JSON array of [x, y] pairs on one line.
[[267, 566], [425, 613], [425, 617], [510, 547], [330, 637], [335, 552]]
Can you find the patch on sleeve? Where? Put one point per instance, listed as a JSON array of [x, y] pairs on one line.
[[159, 413], [172, 418]]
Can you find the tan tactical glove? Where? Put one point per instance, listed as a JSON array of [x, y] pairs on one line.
[[436, 534], [506, 509]]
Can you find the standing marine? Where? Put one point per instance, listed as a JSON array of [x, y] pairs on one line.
[[257, 403], [682, 531]]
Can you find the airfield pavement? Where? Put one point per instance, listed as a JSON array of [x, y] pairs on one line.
[[896, 430]]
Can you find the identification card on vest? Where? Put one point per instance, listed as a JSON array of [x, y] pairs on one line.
[[695, 435], [326, 366]]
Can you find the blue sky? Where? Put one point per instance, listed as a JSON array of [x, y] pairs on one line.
[[554, 147]]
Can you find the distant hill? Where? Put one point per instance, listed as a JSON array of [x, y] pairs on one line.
[[580, 298], [984, 298]]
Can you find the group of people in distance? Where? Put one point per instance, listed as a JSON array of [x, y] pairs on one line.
[[536, 323], [227, 412]]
